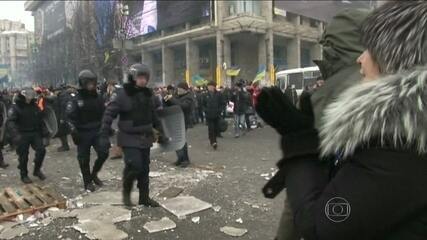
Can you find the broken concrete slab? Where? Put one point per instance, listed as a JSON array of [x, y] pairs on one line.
[[111, 214], [184, 205], [94, 229], [12, 230], [162, 225], [170, 192], [98, 222], [234, 232]]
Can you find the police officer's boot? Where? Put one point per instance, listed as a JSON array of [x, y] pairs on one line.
[[144, 190], [128, 179], [24, 177], [102, 156], [38, 164], [144, 198], [64, 144]]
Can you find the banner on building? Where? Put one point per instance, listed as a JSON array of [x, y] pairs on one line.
[[148, 16], [142, 18]]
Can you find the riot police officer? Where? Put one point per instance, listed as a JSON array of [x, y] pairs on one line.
[[25, 123], [135, 103], [84, 114]]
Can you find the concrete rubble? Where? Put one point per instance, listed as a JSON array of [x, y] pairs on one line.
[[184, 205], [98, 222], [162, 225], [12, 230], [234, 232], [195, 220]]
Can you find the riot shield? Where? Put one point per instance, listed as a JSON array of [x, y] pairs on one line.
[[173, 123], [3, 110], [50, 121]]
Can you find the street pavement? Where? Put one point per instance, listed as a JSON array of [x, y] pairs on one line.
[[230, 179]]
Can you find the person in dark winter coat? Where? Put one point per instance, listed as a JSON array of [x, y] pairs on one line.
[[25, 122], [63, 97], [3, 117], [200, 111], [358, 176], [213, 104], [135, 103], [84, 113], [185, 101], [241, 100]]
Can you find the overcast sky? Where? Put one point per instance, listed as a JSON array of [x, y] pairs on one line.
[[14, 10]]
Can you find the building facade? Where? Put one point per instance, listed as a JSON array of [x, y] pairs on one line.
[[211, 40], [244, 37], [15, 52]]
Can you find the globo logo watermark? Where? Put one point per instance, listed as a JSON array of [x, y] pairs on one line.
[[337, 209]]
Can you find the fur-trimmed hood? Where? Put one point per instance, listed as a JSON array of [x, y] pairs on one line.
[[391, 110]]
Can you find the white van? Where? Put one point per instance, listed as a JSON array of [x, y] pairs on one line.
[[298, 77]]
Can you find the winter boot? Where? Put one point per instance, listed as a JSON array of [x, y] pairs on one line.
[[25, 179], [145, 200], [128, 180], [38, 173]]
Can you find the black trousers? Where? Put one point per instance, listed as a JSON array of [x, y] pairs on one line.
[[201, 115], [87, 140], [137, 167], [64, 140], [213, 129], [35, 140]]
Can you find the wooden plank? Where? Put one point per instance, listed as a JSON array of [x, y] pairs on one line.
[[61, 201], [6, 205], [31, 198], [16, 199], [43, 197]]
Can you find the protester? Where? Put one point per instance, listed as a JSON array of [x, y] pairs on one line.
[[377, 140], [241, 99], [212, 104]]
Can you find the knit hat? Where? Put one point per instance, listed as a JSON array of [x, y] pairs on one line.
[[183, 85], [396, 35]]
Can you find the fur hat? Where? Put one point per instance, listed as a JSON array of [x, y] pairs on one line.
[[396, 35]]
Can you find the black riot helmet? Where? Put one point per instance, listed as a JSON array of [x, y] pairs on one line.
[[85, 77], [138, 69]]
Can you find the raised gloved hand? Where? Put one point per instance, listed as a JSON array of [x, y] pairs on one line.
[[276, 109]]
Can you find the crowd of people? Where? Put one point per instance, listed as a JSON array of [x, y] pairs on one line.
[[86, 113], [354, 145]]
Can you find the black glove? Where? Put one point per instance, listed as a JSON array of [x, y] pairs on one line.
[[276, 109], [76, 137], [162, 139]]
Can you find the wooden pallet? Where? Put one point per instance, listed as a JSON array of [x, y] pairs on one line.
[[28, 199]]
